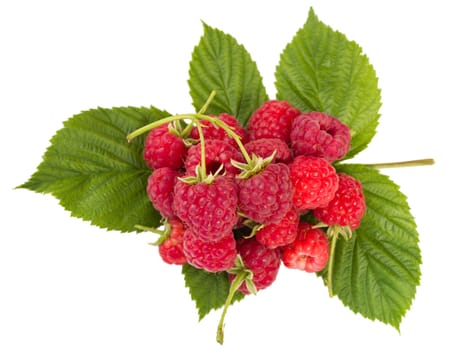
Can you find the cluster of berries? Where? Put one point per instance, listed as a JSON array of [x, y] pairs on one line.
[[233, 196]]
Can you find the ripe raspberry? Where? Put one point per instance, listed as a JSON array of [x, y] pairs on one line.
[[210, 209], [172, 249], [213, 256], [314, 182], [347, 207], [217, 152], [272, 120], [160, 189], [211, 132], [267, 196], [320, 135], [281, 233], [164, 149], [263, 262], [309, 252], [265, 147]]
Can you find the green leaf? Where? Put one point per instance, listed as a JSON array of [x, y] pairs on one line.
[[208, 290], [95, 173], [219, 63], [377, 271], [322, 70]]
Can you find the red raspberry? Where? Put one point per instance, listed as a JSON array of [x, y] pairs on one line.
[[314, 182], [265, 147], [217, 152], [211, 256], [211, 132], [164, 149], [272, 120], [267, 196], [320, 135], [347, 207], [281, 233], [309, 252], [172, 249], [160, 189], [210, 209], [263, 262]]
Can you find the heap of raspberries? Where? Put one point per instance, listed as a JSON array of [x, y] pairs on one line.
[[254, 197]]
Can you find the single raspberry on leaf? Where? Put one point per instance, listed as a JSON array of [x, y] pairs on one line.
[[266, 196], [310, 250], [164, 149], [160, 189], [208, 208], [272, 120], [264, 264], [314, 182], [212, 256], [265, 148], [347, 207], [217, 153], [172, 249], [211, 132], [320, 135], [281, 233]]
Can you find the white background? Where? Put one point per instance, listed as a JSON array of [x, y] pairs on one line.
[[65, 284]]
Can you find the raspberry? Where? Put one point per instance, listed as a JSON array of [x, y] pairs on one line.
[[265, 147], [314, 182], [347, 207], [272, 120], [263, 262], [217, 153], [320, 135], [172, 249], [309, 252], [212, 256], [267, 196], [164, 149], [210, 209], [160, 189], [211, 132], [281, 233]]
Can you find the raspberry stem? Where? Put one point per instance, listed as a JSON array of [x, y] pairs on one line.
[[243, 275], [202, 148], [173, 118], [237, 282], [330, 265], [157, 123], [230, 132], [408, 163], [163, 235]]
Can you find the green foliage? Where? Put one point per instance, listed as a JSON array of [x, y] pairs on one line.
[[208, 290], [95, 173], [219, 63], [320, 70], [377, 271]]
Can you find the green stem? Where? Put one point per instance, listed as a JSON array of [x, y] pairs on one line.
[[207, 102], [157, 123], [172, 118], [163, 235], [408, 163], [202, 150], [239, 279], [149, 229], [187, 130], [230, 133], [330, 265]]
